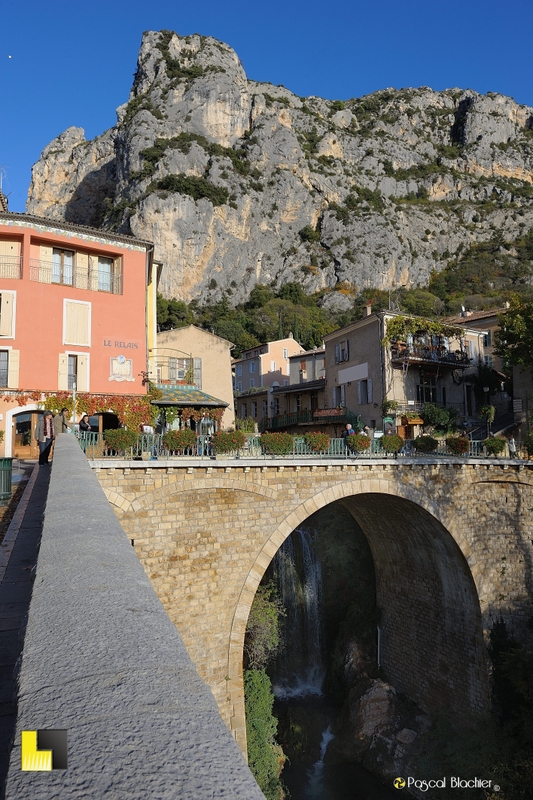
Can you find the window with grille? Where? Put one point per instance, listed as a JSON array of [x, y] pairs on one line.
[[62, 266], [105, 274], [4, 368], [72, 372]]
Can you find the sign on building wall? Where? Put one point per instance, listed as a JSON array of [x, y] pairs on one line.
[[121, 369]]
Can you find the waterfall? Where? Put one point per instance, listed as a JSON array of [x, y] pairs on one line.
[[298, 575], [315, 787]]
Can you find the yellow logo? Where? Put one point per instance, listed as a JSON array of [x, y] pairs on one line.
[[43, 751], [399, 783]]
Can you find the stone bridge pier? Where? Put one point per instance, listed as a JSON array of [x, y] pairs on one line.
[[452, 544]]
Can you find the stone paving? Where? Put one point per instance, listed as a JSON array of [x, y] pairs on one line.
[[18, 556]]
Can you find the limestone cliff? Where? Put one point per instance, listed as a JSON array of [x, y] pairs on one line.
[[238, 182]]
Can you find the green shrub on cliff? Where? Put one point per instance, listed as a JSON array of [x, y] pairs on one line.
[[262, 641], [265, 756]]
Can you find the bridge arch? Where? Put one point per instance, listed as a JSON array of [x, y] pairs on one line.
[[432, 637]]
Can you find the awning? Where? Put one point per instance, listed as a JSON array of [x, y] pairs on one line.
[[186, 396]]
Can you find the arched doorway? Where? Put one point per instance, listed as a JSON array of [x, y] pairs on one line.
[[20, 426]]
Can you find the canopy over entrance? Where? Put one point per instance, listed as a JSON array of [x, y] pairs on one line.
[[186, 396]]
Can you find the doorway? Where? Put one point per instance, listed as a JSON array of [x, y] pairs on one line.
[[24, 444]]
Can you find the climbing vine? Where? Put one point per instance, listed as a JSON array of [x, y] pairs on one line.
[[131, 410], [398, 328]]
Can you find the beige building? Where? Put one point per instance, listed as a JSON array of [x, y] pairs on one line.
[[257, 372], [192, 356], [487, 322], [265, 365], [381, 357]]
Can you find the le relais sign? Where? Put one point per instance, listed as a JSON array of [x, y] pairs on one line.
[[121, 344]]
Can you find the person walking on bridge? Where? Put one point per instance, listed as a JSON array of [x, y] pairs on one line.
[[45, 435], [60, 422]]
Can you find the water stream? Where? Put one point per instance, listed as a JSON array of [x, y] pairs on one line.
[[297, 680]]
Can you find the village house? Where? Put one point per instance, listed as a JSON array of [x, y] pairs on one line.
[[293, 406], [258, 370], [77, 313], [190, 355], [407, 361]]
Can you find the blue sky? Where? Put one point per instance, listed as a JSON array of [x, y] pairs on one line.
[[64, 63]]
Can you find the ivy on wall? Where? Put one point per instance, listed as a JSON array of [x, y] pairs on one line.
[[398, 328], [131, 410]]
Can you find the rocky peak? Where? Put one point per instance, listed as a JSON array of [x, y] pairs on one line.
[[239, 182]]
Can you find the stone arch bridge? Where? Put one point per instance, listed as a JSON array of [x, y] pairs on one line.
[[452, 543]]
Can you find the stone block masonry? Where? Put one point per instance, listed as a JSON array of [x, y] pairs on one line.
[[102, 659], [451, 541]]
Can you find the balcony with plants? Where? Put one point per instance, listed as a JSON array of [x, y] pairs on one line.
[[415, 340]]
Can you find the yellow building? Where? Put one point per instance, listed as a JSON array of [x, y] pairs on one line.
[[192, 356]]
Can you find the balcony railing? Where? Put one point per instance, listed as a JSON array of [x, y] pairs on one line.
[[75, 276], [307, 417], [429, 354], [11, 267], [150, 447]]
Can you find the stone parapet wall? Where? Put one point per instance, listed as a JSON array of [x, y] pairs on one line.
[[102, 659], [451, 540]]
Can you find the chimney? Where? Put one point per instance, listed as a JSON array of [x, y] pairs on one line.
[[368, 310]]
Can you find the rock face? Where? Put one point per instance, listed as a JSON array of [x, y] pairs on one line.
[[238, 182]]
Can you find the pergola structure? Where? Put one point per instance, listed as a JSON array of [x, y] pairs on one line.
[[191, 403]]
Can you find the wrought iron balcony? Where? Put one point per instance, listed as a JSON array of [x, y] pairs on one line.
[[11, 267], [77, 276], [429, 354]]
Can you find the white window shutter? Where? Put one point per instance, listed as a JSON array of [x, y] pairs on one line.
[[82, 378], [347, 357], [6, 313], [359, 393], [62, 373], [337, 353], [93, 273], [77, 316], [343, 395], [45, 266], [117, 276], [334, 397], [81, 279], [198, 372], [369, 390], [13, 369]]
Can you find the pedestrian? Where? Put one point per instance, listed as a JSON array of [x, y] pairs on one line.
[[349, 431], [85, 425], [45, 435], [60, 422], [512, 447]]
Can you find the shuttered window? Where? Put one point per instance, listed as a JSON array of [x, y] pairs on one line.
[[77, 323], [9, 369], [73, 372], [7, 318], [10, 262]]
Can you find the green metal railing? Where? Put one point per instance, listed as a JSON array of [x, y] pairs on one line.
[[150, 447], [307, 417]]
